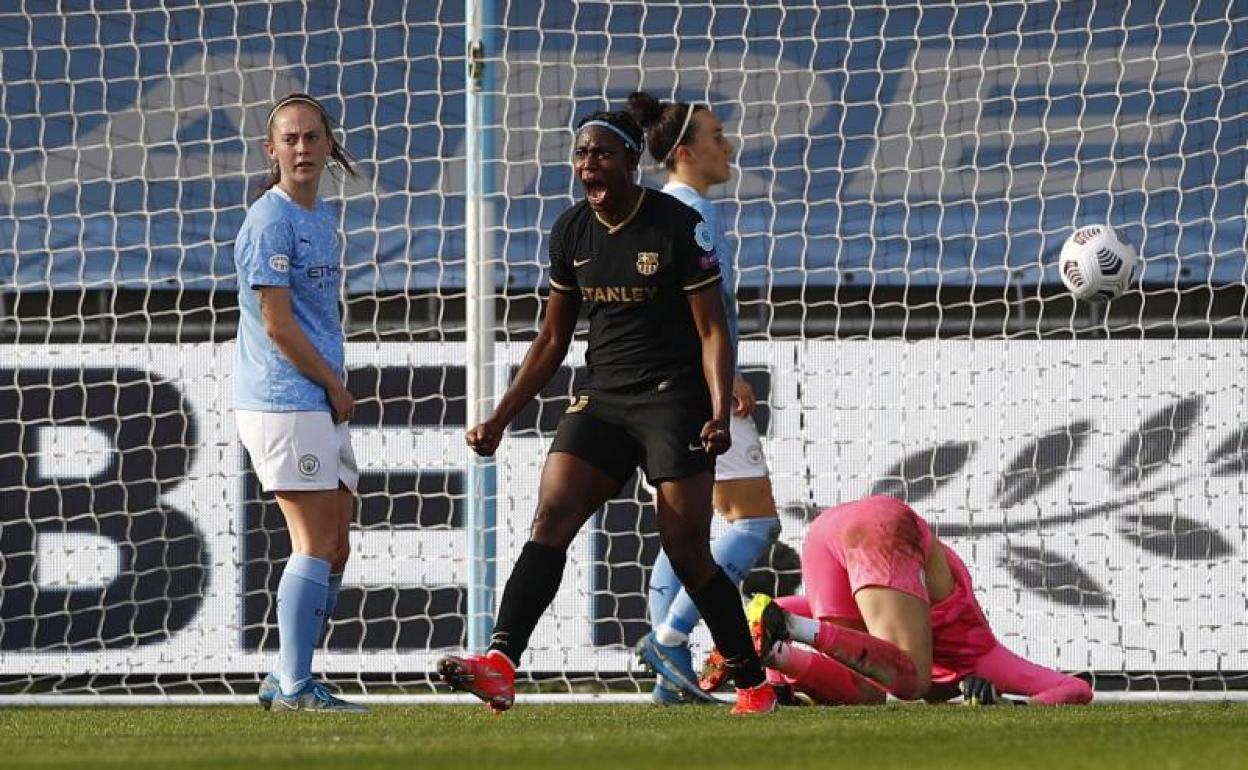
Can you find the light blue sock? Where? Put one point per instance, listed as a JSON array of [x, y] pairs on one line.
[[664, 586], [331, 595], [331, 601], [735, 551], [300, 617]]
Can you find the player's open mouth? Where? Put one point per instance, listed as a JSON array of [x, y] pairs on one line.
[[595, 193]]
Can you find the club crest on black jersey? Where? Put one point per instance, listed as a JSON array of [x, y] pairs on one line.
[[634, 279]]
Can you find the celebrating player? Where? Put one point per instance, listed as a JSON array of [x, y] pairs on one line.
[[658, 396], [889, 608], [688, 141], [290, 397]]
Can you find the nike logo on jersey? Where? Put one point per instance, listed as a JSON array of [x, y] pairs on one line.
[[582, 262], [304, 240], [695, 446]]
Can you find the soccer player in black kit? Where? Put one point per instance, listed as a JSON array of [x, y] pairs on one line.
[[658, 395]]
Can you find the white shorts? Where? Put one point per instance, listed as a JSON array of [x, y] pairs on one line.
[[298, 451], [744, 460]]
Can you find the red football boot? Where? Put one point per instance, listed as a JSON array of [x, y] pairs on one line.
[[490, 677], [755, 700]]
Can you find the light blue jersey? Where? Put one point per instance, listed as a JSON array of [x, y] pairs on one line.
[[283, 244], [690, 197]]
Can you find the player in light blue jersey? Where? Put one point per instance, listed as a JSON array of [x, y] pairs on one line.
[[290, 396], [688, 141]]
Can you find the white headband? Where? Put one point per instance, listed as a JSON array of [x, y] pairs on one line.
[[628, 141], [291, 100], [683, 128]]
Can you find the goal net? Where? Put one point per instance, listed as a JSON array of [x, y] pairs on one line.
[[905, 175]]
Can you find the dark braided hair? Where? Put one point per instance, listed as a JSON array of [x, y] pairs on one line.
[[778, 572], [337, 152], [668, 125], [622, 125]]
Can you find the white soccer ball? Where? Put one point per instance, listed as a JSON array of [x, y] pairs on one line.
[[1096, 264]]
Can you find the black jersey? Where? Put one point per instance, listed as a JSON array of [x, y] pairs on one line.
[[634, 279]]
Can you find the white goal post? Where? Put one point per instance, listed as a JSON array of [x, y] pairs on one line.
[[905, 175]]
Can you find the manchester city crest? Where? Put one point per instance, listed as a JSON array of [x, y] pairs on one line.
[[647, 262], [309, 465]]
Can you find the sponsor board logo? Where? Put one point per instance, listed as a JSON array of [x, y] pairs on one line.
[[1141, 472]]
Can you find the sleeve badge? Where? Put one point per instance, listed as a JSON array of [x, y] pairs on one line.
[[702, 236]]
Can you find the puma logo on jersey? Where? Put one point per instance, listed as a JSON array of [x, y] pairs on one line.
[[581, 262]]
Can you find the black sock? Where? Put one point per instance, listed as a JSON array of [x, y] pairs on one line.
[[529, 591], [720, 604]]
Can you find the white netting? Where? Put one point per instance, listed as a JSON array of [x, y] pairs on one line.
[[906, 175]]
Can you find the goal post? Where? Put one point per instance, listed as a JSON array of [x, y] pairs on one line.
[[904, 177], [480, 287]]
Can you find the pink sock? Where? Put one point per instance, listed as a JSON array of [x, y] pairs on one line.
[[823, 678], [1046, 687], [795, 605], [880, 661]]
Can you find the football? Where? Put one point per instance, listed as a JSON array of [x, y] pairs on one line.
[[1095, 264]]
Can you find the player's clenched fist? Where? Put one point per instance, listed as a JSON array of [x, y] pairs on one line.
[[341, 404], [715, 438], [485, 437]]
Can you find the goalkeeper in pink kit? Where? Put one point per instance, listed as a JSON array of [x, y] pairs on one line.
[[890, 609]]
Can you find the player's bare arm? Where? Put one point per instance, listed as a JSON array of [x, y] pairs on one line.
[[717, 365], [281, 327], [743, 398], [540, 363]]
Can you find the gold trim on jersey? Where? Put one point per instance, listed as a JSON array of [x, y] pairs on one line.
[[700, 284], [560, 287], [613, 229]]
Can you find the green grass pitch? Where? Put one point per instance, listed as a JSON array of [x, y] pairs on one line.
[[630, 737]]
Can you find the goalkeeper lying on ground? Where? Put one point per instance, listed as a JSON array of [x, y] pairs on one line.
[[888, 609]]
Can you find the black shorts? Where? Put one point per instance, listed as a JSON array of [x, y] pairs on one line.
[[660, 430]]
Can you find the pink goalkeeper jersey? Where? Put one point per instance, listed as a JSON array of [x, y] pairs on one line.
[[881, 541]]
